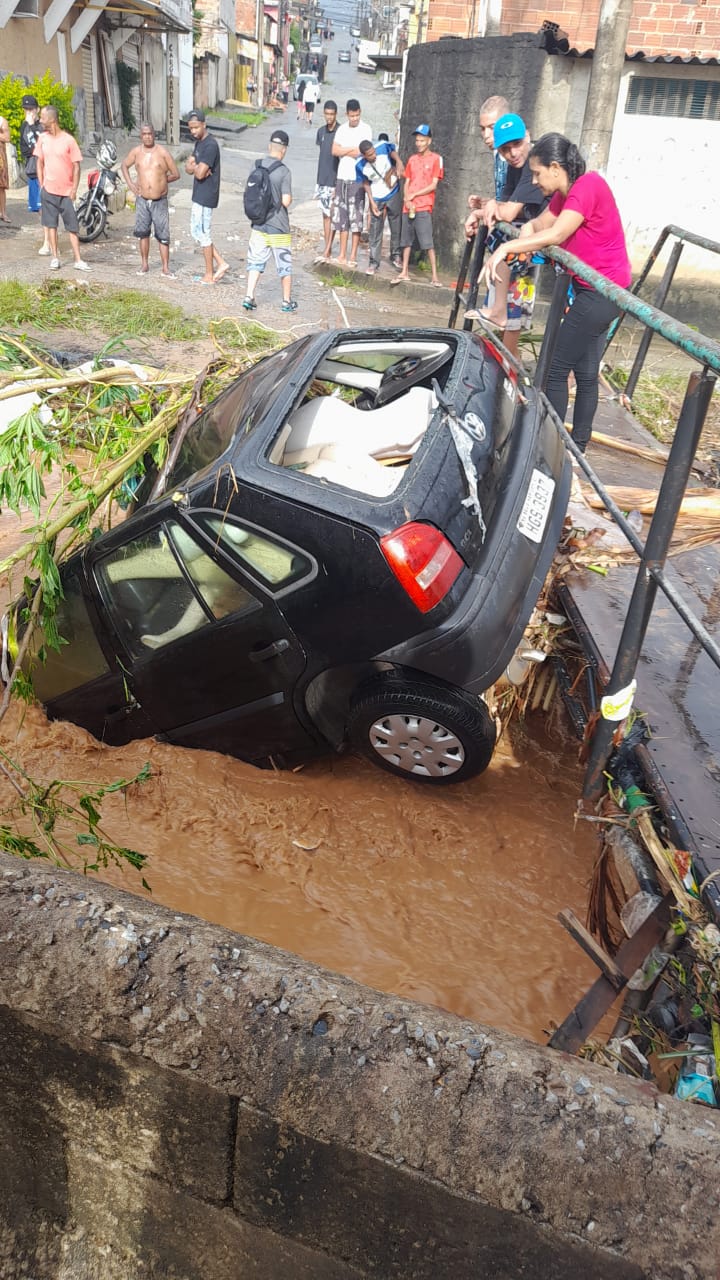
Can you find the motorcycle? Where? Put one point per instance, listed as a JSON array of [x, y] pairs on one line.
[[93, 210]]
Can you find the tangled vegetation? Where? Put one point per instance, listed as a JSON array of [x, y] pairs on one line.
[[65, 460]]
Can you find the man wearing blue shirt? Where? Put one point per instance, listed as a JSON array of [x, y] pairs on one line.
[[380, 169]]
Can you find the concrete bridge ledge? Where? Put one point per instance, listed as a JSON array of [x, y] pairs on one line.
[[178, 1098]]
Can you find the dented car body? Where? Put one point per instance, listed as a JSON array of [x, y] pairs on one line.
[[348, 547]]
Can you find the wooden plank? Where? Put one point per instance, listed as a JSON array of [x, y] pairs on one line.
[[577, 930], [583, 1019]]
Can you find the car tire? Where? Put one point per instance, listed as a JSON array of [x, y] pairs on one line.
[[420, 730]]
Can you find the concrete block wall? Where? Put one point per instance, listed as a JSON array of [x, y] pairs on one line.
[[181, 1102], [445, 84]]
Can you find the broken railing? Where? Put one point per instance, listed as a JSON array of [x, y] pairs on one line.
[[681, 237], [652, 555]]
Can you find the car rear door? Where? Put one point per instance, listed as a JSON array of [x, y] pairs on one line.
[[210, 656]]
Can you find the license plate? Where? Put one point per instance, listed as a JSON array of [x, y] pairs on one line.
[[536, 506]]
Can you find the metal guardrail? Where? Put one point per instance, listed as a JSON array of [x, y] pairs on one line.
[[653, 554], [682, 237]]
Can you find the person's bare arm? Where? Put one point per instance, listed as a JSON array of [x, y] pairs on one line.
[[500, 211], [40, 168], [75, 179], [556, 232], [171, 170], [125, 168], [200, 170], [286, 200], [421, 191], [4, 130], [397, 162]]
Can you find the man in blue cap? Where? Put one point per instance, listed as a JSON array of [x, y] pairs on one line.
[[510, 302]]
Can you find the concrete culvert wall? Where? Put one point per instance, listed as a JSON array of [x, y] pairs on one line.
[[185, 1103]]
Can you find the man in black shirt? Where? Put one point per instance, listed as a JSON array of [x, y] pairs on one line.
[[327, 174], [204, 165]]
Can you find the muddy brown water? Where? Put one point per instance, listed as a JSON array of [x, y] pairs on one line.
[[445, 896]]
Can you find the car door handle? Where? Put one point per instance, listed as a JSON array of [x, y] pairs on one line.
[[270, 651]]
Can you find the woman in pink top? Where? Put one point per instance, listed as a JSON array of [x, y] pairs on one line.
[[582, 217]]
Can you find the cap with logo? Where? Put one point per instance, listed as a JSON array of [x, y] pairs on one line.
[[197, 114], [424, 130], [280, 137], [29, 101], [508, 128]]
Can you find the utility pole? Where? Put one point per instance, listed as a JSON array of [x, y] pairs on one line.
[[607, 68], [260, 36]]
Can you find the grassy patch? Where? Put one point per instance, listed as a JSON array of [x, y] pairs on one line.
[[60, 304], [250, 118], [657, 401], [339, 280]]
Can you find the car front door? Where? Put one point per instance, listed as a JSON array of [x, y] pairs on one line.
[[210, 657]]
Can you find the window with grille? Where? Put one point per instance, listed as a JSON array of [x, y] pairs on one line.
[[663, 96]]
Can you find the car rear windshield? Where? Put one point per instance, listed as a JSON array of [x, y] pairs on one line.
[[237, 410]]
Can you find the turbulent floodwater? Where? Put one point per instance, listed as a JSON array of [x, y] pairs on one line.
[[443, 896]]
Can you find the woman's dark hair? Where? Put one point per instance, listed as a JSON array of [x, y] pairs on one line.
[[553, 148]]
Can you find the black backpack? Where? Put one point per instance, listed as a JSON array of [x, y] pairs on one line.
[[258, 198]]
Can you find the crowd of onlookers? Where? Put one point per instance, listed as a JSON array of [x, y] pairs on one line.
[[542, 188]]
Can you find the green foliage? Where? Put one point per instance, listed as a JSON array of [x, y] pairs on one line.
[[128, 79], [250, 118], [63, 819], [59, 304], [49, 92], [295, 36]]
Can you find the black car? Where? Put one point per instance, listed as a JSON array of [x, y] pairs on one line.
[[348, 548]]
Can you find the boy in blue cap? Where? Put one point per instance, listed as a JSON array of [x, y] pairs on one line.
[[510, 301]]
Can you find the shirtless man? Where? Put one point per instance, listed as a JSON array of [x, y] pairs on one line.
[[154, 170]]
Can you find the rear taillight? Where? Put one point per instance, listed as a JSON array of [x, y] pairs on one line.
[[423, 561]]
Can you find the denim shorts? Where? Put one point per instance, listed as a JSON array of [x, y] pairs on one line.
[[201, 224]]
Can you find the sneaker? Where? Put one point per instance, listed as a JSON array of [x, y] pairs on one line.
[[397, 262], [81, 266], [54, 264], [289, 306], [250, 304], [45, 251], [371, 271]]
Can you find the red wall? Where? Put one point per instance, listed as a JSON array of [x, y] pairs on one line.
[[685, 29]]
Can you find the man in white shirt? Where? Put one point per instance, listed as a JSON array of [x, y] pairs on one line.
[[312, 93], [349, 203]]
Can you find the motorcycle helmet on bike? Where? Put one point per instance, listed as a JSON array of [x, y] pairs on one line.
[[107, 154]]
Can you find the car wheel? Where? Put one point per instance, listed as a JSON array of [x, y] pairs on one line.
[[421, 730]]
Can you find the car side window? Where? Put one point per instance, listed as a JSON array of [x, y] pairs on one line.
[[163, 586], [275, 564], [80, 658]]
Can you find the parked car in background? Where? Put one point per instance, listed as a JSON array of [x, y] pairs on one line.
[[347, 549], [306, 76], [344, 55], [355, 33]]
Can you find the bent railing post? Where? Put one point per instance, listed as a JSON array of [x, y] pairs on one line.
[[659, 302], [552, 327], [475, 265], [460, 282], [677, 471]]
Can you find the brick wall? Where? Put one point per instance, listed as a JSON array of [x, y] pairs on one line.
[[245, 17], [686, 29]]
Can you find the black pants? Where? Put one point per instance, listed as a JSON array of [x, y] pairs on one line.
[[579, 350]]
